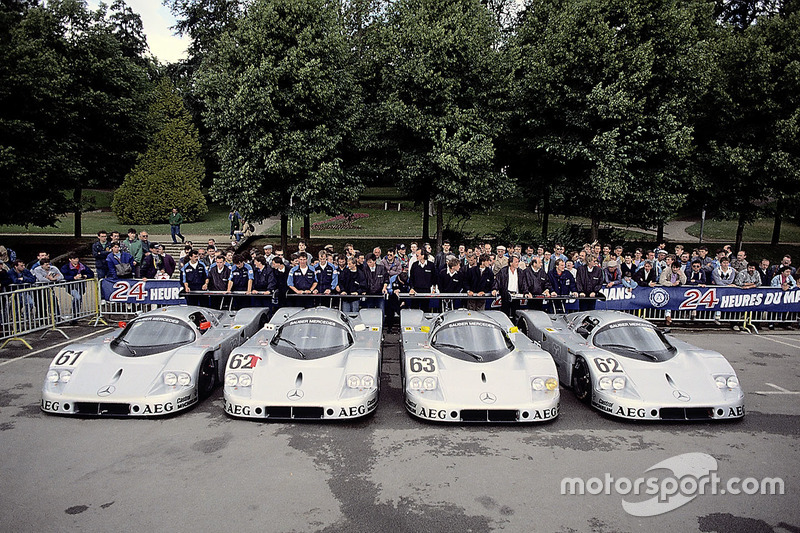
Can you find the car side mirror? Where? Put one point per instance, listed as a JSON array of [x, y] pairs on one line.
[[122, 324]]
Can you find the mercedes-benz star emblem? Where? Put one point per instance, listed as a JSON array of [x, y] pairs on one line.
[[681, 396], [106, 391], [488, 397], [294, 394]]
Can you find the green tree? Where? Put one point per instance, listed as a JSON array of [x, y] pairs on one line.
[[439, 72], [748, 140], [601, 105], [71, 107], [280, 97], [170, 171]]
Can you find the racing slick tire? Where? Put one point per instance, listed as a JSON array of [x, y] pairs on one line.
[[582, 381], [206, 377]]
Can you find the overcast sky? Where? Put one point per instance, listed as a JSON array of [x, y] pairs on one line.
[[157, 21]]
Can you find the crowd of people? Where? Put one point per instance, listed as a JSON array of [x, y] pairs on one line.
[[369, 278]]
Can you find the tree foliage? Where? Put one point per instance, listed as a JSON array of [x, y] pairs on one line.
[[170, 171], [71, 105], [280, 97]]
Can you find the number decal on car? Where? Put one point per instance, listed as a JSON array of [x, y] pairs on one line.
[[67, 358], [422, 364], [243, 361], [603, 365]]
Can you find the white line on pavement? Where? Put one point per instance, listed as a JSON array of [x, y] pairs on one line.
[[55, 346], [779, 342], [780, 390]]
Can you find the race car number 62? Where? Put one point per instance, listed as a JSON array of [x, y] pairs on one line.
[[603, 364], [420, 364]]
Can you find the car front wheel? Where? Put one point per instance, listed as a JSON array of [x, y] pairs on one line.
[[207, 376], [582, 381]]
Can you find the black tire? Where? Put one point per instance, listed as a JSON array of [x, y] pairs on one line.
[[207, 377], [582, 381]]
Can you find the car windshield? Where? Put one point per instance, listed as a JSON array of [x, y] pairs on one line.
[[152, 334], [636, 340], [472, 340], [311, 338]]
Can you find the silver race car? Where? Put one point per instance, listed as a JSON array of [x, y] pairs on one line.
[[474, 366], [624, 366], [308, 364], [160, 363]]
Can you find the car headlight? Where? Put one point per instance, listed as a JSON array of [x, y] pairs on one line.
[[367, 382], [618, 383], [245, 380], [170, 378], [732, 382], [65, 376], [231, 379], [721, 382], [429, 383], [537, 384], [353, 381], [605, 383], [184, 379], [52, 376], [415, 383], [551, 384]]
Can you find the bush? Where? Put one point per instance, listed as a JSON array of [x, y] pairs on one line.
[[170, 171]]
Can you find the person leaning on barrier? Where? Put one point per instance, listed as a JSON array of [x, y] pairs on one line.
[[451, 279], [19, 275], [646, 276], [47, 273], [241, 278], [302, 278], [748, 278], [784, 278], [589, 282], [327, 275], [120, 264], [351, 283], [479, 282], [74, 270], [510, 281], [376, 281], [262, 274]]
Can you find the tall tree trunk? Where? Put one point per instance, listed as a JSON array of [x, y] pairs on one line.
[[77, 194], [545, 214], [307, 227], [660, 232], [426, 220], [439, 225], [595, 228], [284, 233], [739, 234], [776, 228]]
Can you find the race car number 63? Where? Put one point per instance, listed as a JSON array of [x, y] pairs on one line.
[[422, 364], [603, 364]]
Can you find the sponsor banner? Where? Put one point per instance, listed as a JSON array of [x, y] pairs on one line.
[[135, 291], [709, 298]]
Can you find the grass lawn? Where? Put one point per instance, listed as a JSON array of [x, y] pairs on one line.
[[407, 223], [759, 231], [215, 223]]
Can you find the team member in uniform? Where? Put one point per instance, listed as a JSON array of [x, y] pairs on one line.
[[422, 278], [480, 279], [194, 274], [278, 282], [241, 278], [302, 279], [376, 282], [327, 277], [538, 282], [589, 282]]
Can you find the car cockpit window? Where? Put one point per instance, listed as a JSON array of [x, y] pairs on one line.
[[472, 340]]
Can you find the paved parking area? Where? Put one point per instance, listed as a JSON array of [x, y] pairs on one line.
[[203, 471]]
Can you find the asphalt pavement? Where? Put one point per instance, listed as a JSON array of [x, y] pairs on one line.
[[204, 471]]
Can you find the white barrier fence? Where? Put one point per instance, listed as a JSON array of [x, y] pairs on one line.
[[46, 307]]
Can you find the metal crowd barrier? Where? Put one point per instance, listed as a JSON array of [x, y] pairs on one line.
[[30, 308], [225, 300]]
